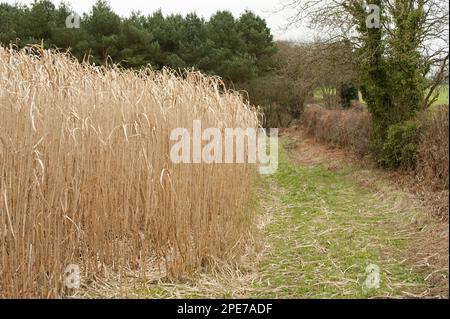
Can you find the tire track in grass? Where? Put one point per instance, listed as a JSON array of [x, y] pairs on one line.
[[330, 230]]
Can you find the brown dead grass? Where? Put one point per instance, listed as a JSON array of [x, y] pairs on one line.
[[343, 128], [435, 199], [433, 151], [431, 255]]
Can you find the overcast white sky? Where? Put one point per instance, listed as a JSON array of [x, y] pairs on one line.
[[264, 8]]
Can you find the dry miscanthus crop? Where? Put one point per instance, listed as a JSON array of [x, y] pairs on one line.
[[86, 178]]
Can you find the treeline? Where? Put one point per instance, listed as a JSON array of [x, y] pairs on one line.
[[281, 77], [237, 49]]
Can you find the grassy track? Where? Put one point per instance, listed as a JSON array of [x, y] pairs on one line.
[[328, 228]]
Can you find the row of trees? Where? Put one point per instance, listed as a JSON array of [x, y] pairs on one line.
[[236, 49]]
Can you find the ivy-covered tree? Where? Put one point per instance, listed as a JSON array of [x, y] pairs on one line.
[[396, 55]]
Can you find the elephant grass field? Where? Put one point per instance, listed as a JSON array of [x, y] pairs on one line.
[[86, 178]]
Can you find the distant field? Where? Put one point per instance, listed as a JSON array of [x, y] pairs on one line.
[[443, 95], [442, 98]]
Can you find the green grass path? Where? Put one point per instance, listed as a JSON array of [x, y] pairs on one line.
[[327, 229]]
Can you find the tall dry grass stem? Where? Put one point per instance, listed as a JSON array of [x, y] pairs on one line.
[[86, 178]]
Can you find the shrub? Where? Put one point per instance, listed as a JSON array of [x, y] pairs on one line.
[[433, 151], [338, 127], [400, 148]]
